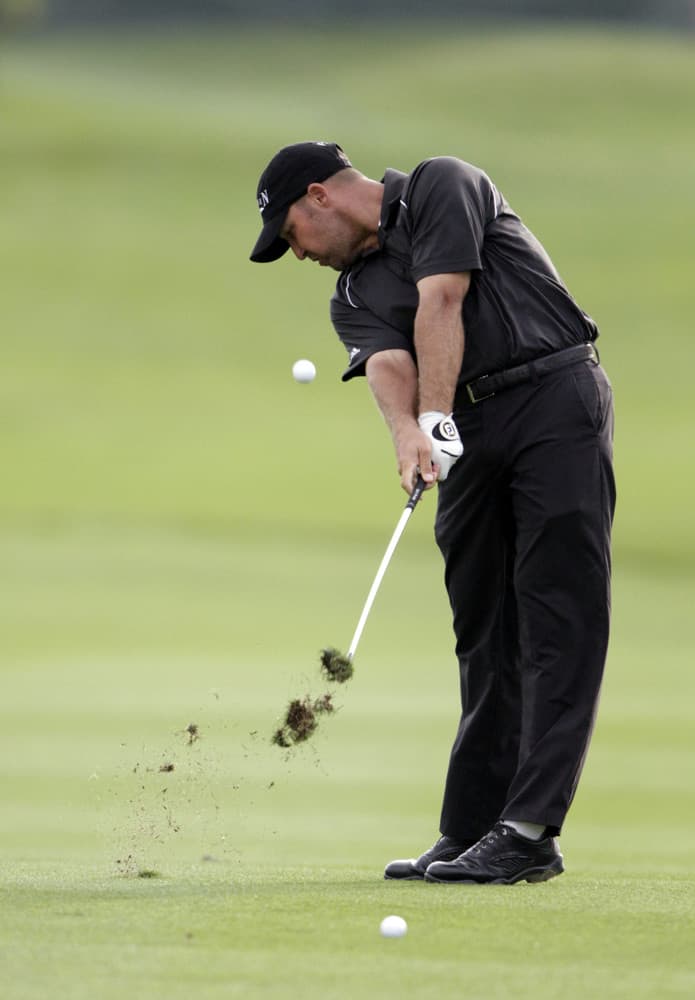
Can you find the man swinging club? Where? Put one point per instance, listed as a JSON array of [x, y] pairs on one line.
[[485, 370]]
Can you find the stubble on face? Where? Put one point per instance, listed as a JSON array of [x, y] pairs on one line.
[[326, 237]]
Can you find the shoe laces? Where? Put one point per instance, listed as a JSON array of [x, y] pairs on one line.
[[498, 831]]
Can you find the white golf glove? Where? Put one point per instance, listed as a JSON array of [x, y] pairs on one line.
[[447, 446]]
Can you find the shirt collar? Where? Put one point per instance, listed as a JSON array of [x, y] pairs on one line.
[[394, 183]]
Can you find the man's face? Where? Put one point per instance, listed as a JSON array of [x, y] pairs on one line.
[[317, 230]]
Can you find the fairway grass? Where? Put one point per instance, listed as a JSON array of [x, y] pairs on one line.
[[266, 864], [313, 932]]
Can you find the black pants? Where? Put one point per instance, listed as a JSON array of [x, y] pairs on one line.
[[523, 522]]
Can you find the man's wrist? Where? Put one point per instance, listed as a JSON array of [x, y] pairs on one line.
[[403, 425], [427, 418]]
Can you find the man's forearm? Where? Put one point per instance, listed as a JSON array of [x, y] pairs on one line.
[[439, 348], [393, 380], [439, 340]]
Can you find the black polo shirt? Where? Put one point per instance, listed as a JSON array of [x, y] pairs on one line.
[[447, 216]]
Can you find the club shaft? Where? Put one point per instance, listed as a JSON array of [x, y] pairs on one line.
[[383, 566]]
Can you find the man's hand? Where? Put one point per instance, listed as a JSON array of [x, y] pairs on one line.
[[423, 446], [446, 443], [414, 455]]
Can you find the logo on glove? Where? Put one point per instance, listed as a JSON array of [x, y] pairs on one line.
[[445, 431]]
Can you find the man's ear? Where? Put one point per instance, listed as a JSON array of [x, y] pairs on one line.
[[317, 193]]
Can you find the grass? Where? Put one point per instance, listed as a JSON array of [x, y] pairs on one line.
[[289, 895], [182, 527], [321, 929]]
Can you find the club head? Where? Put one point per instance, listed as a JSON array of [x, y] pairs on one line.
[[335, 666]]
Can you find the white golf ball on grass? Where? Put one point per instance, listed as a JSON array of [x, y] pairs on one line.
[[303, 370], [393, 927]]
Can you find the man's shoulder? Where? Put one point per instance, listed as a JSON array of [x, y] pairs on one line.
[[428, 174], [447, 166], [448, 170]]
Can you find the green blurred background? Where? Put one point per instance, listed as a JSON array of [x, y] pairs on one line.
[[182, 526]]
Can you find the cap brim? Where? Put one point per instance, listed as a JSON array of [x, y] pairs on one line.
[[269, 246]]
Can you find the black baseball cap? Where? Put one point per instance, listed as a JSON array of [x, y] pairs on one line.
[[284, 181]]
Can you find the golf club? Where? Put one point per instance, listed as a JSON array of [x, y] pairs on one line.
[[335, 665], [301, 717]]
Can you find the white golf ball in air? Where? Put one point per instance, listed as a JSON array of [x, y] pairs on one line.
[[393, 926], [304, 371]]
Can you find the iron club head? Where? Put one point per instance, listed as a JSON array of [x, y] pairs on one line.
[[335, 666]]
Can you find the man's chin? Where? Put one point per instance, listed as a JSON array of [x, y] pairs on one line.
[[342, 265]]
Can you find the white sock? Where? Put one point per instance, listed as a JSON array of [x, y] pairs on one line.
[[532, 831]]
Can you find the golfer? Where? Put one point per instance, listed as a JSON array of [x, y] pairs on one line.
[[486, 373]]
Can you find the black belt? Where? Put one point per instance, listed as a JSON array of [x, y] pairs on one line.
[[489, 385]]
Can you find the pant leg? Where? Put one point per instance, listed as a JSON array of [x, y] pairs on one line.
[[563, 498], [474, 531]]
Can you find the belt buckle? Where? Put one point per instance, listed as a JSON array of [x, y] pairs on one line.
[[471, 392]]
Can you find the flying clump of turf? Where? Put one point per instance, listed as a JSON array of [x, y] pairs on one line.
[[302, 715], [302, 719]]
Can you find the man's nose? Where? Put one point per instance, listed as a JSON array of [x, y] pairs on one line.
[[297, 250]]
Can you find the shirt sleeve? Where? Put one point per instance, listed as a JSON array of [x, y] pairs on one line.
[[361, 331], [449, 204]]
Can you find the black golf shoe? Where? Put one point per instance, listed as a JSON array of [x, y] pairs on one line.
[[446, 849], [501, 857]]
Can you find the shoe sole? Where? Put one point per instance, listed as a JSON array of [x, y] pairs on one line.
[[530, 875], [404, 878]]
